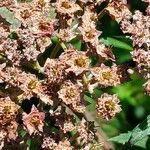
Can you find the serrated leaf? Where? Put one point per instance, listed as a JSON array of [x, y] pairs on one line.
[[10, 18], [140, 131], [142, 143], [122, 138], [138, 136], [117, 43]]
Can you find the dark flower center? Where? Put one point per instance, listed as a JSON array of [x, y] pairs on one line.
[[25, 14]]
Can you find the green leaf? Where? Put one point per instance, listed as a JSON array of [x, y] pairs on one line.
[[28, 142], [55, 39], [91, 107], [89, 99], [32, 144], [52, 13], [92, 102], [143, 142], [122, 138], [23, 1], [117, 43], [122, 55], [138, 136], [140, 131], [13, 35], [98, 92], [134, 87], [76, 43], [10, 18], [22, 132]]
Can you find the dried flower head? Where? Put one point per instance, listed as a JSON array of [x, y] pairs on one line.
[[66, 34], [104, 52], [34, 121], [67, 7], [43, 27], [106, 76], [9, 48], [68, 127], [147, 87], [118, 10], [8, 111], [41, 4], [85, 135], [69, 93], [65, 145], [53, 74], [49, 143], [26, 37], [54, 71], [76, 61], [43, 43], [142, 58], [11, 130], [24, 12], [108, 106], [138, 28], [90, 33]]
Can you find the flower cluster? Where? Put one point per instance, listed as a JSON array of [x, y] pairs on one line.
[[138, 26], [44, 77]]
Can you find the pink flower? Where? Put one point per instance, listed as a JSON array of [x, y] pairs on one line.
[[106, 76], [77, 61], [34, 120], [108, 106]]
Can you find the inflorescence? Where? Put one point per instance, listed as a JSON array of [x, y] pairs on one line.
[[52, 81]]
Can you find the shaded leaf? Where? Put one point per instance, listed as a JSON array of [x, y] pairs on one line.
[[76, 43], [22, 133], [28, 142], [13, 35], [91, 107]]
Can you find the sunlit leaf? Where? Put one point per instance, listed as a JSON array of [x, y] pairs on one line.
[[140, 131], [122, 138], [117, 43], [52, 13], [10, 18]]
